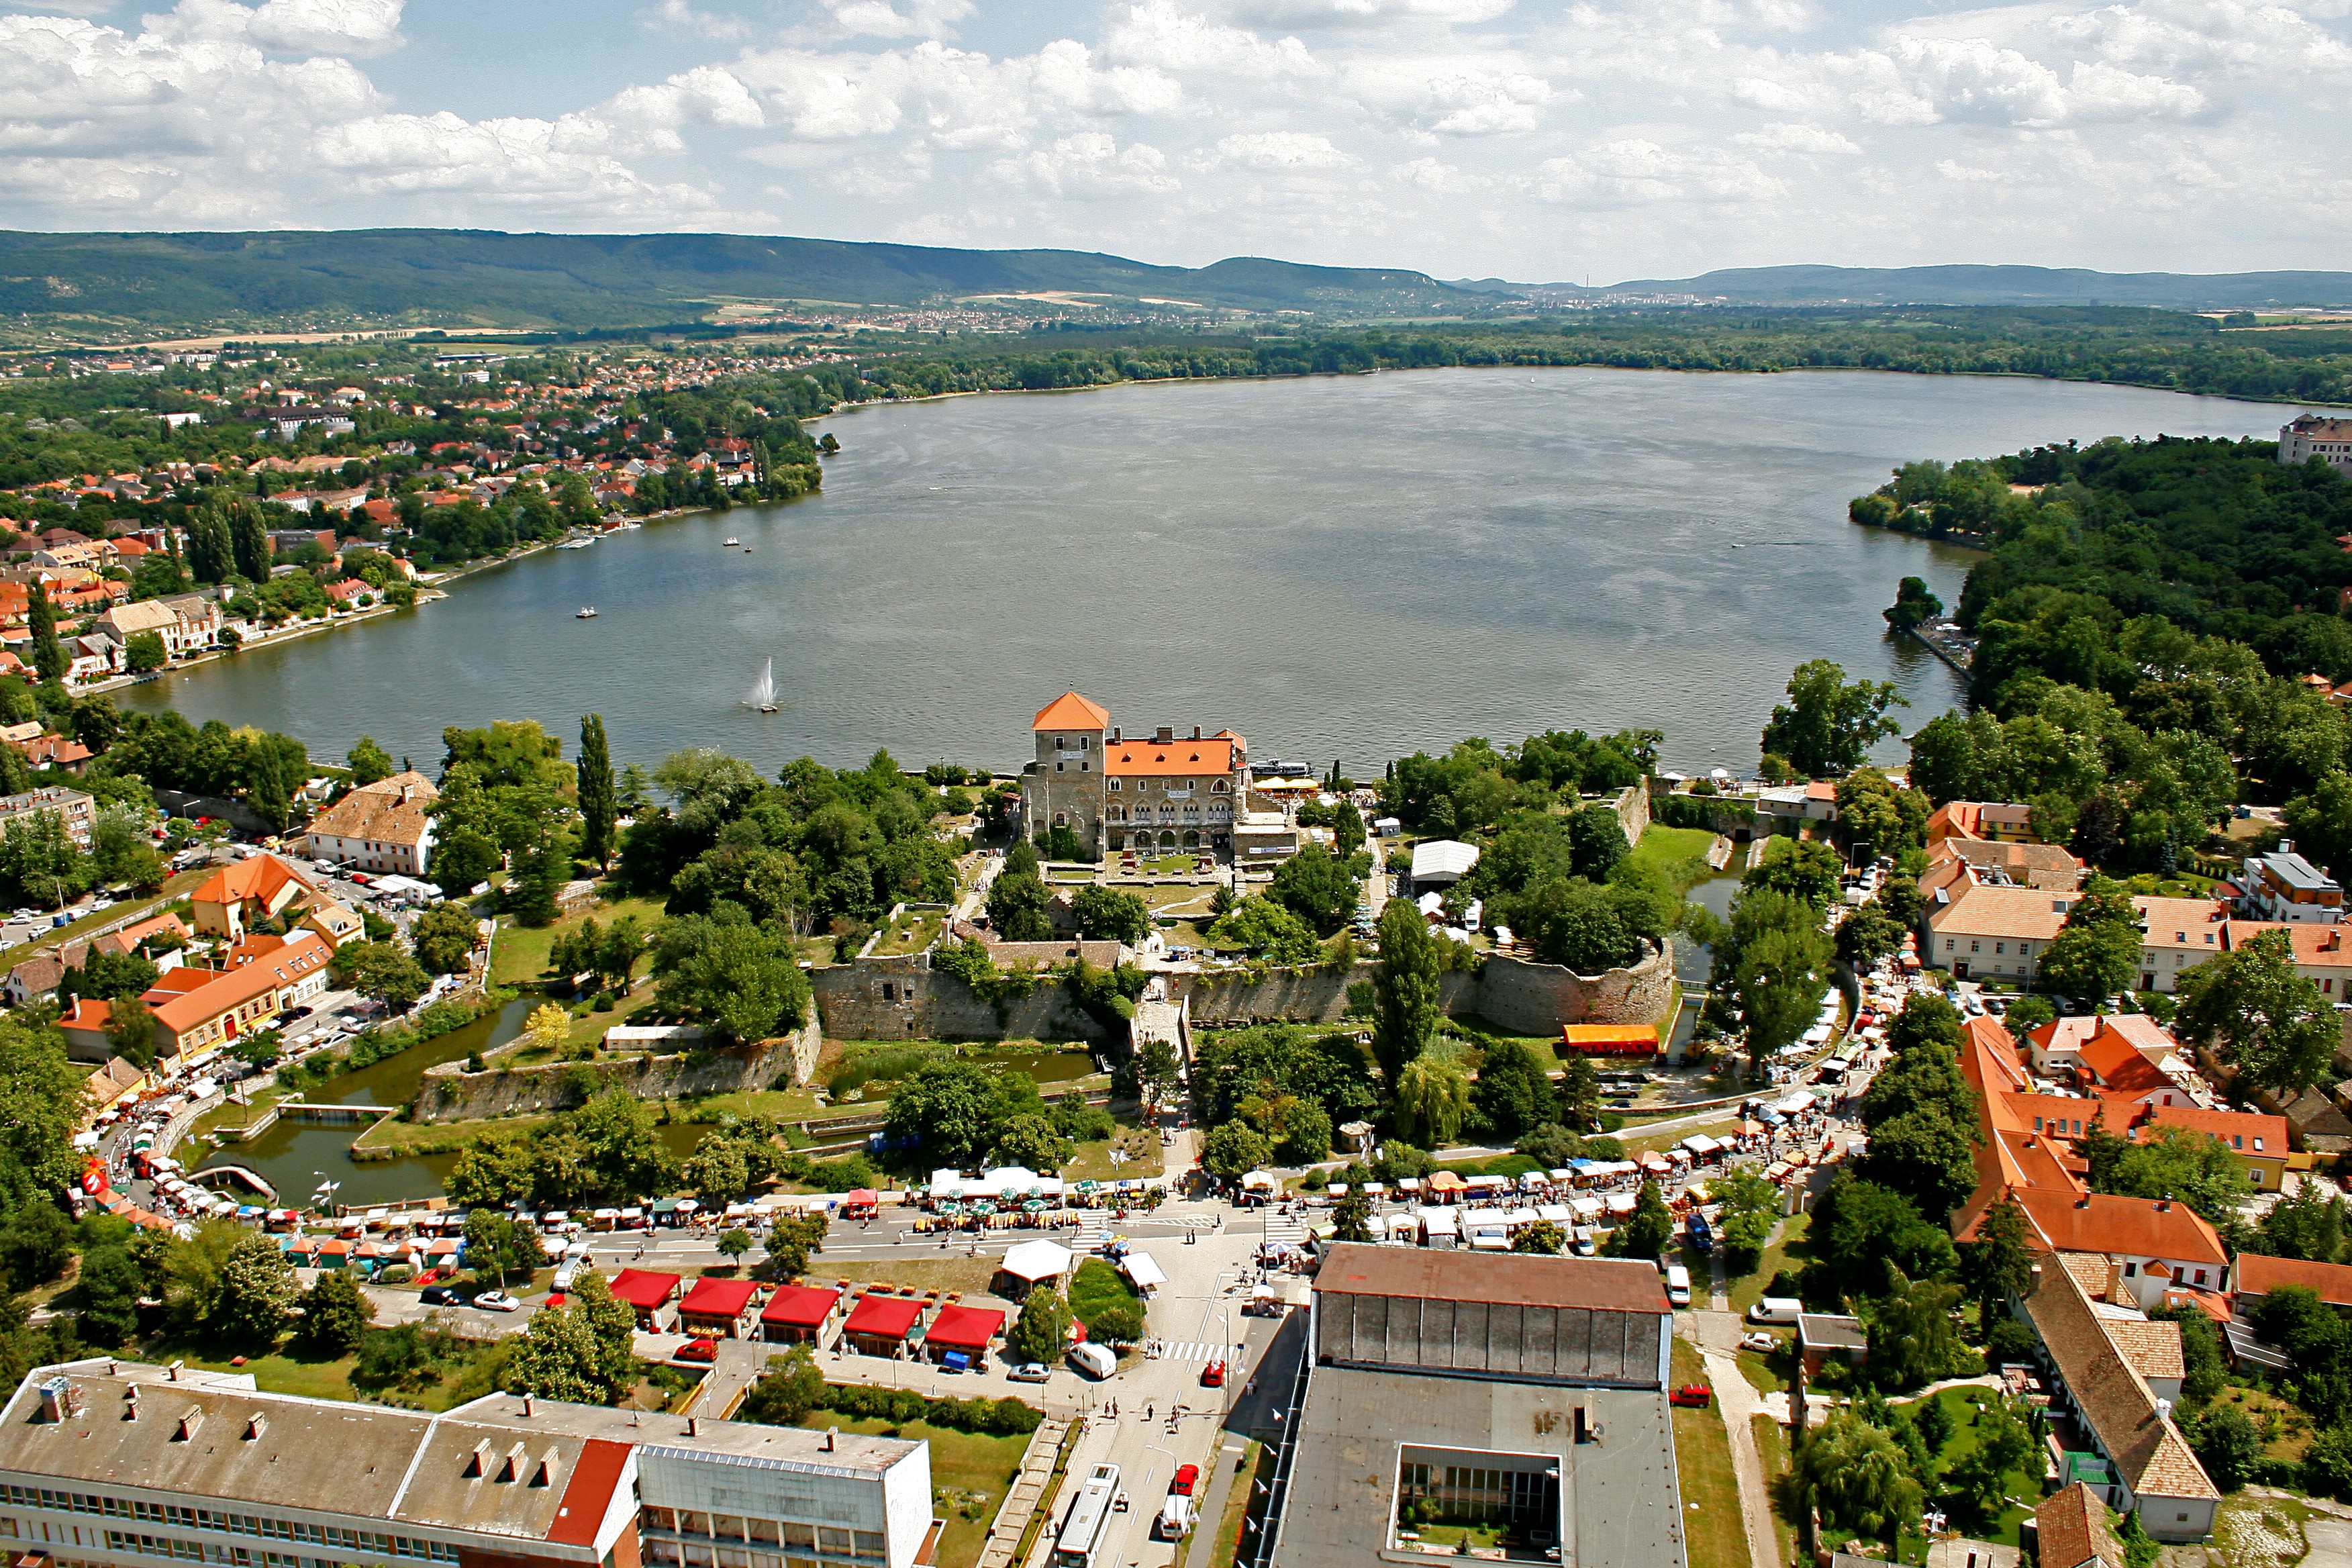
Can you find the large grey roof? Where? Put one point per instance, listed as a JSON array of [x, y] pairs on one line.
[[1622, 1507]]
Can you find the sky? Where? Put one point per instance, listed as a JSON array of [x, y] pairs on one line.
[[1539, 141]]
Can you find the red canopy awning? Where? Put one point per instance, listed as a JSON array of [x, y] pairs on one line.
[[884, 1317], [965, 1328], [642, 1289], [719, 1298], [800, 1306]]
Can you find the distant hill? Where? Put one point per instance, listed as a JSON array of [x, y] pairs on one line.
[[579, 281], [1958, 286]]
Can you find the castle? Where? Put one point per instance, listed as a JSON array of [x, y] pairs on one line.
[[1165, 793]]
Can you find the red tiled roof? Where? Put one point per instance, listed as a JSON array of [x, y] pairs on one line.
[[965, 1328], [2258, 1276], [642, 1287], [884, 1317], [1072, 711], [2104, 1222], [1170, 759], [800, 1306], [718, 1297]]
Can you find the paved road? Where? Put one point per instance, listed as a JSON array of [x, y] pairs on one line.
[[1716, 1335]]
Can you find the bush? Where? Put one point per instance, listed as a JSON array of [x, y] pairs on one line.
[[995, 1418], [1102, 1299]]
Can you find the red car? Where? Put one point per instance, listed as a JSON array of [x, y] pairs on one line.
[[1694, 1395], [1213, 1376], [703, 1349], [1187, 1478]]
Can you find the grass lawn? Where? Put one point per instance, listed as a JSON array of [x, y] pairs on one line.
[[2253, 1532], [1139, 1144], [1714, 1528], [1772, 1451], [1257, 1470], [1791, 1252], [971, 1473], [1768, 1374], [1962, 1405], [780, 1104], [228, 1114], [912, 931], [924, 1268], [392, 1136], [289, 1371], [519, 956], [2286, 1431], [1678, 855]]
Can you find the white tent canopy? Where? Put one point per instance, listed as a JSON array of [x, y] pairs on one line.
[[1142, 1270], [1443, 860], [1036, 1260]]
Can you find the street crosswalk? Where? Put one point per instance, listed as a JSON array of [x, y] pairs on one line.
[[1285, 1230], [1196, 1350]]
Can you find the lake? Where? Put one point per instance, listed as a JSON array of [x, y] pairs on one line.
[[1353, 567]]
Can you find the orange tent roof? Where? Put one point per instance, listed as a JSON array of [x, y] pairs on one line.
[[1072, 711]]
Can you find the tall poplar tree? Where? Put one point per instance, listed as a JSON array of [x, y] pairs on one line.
[[597, 796], [49, 654], [249, 544], [1404, 990]]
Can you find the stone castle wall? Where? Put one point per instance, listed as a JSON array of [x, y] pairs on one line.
[[450, 1093]]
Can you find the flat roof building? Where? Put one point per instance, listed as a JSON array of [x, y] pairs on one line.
[[1502, 1388], [117, 1463]]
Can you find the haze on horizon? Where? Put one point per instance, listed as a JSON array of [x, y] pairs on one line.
[[1536, 140]]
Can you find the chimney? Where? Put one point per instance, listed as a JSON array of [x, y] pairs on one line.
[[2286, 847], [190, 1422], [55, 1405], [2164, 1205], [1166, 736], [1196, 731], [831, 1434], [516, 1458], [172, 1372], [131, 1403], [694, 1426], [1115, 733], [478, 1462], [2084, 1202], [545, 1474], [255, 1426], [526, 1404]]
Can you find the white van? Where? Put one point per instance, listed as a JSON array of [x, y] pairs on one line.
[[1175, 1521], [1677, 1284], [1095, 1360], [1776, 1309]]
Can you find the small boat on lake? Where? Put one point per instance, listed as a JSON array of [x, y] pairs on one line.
[[732, 542], [576, 543], [764, 691], [585, 613]]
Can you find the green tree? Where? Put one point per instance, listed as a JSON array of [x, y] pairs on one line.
[[249, 542], [2262, 1018], [1804, 868], [335, 1313], [1913, 604], [1647, 1229], [257, 1291], [1828, 725], [1404, 989], [1263, 929], [48, 653], [791, 1386], [443, 937], [1432, 1095], [1043, 1327], [2000, 1259], [946, 1108], [131, 1031], [1514, 1092], [1033, 1142], [110, 1285], [1913, 1339], [500, 1247], [1111, 914], [598, 807], [1775, 968], [2004, 1446], [1351, 1216], [2226, 1445], [1315, 886], [1233, 1150], [734, 1243], [1921, 1111], [383, 971], [1544, 1237], [2097, 951], [1856, 1475], [144, 653], [1016, 907], [2306, 1225], [741, 978], [370, 763], [36, 1244], [1749, 1206]]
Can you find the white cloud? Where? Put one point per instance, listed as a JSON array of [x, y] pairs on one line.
[[1787, 138], [1636, 172], [1190, 45], [959, 97], [920, 19], [1090, 166], [1275, 150], [1934, 79]]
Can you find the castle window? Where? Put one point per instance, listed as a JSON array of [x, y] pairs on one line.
[[1116, 786], [1218, 788]]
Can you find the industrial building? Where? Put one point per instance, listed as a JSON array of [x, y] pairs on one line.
[[118, 1464], [1481, 1401]]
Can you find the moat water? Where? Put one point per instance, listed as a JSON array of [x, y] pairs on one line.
[[1345, 567]]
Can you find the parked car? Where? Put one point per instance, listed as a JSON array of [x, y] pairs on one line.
[[1693, 1395], [704, 1350], [1758, 1342], [1188, 1479], [1029, 1372], [1214, 1374], [496, 1301], [439, 1296]]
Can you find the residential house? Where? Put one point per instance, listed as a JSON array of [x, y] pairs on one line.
[[2096, 1382], [74, 808], [1987, 932], [250, 893], [1995, 821], [383, 826], [41, 974], [199, 1010], [2056, 1047], [2316, 435], [2043, 866], [2177, 934], [2257, 1144], [2253, 1277], [2321, 954], [53, 754], [2070, 1531], [115, 1083], [2284, 886], [1787, 808]]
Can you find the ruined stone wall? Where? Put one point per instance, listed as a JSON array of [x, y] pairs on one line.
[[450, 1093], [1633, 811], [903, 998], [1530, 999]]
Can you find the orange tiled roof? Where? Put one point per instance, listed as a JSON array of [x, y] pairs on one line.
[[2028, 914], [272, 961], [2245, 1131], [1175, 758], [260, 878], [2258, 1276], [1072, 711], [2138, 1227]]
